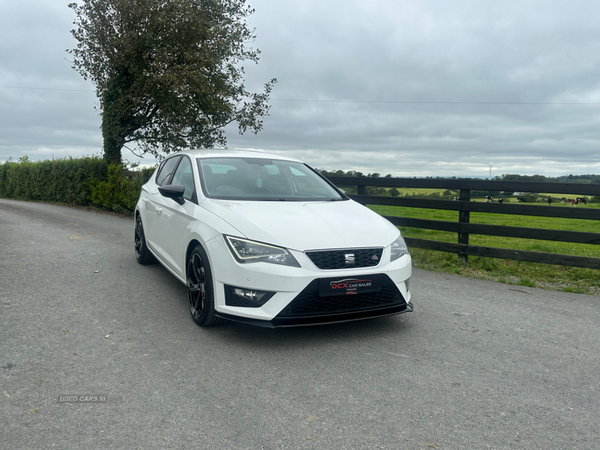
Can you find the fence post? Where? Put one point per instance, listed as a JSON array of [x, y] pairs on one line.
[[464, 217], [361, 189]]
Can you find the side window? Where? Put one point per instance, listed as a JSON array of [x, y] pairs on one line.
[[184, 176], [166, 169]]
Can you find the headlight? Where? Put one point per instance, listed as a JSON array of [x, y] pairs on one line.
[[246, 251], [399, 248]]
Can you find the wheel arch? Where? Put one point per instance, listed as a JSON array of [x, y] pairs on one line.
[[138, 213], [190, 247]]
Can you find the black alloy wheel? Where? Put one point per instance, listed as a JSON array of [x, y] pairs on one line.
[[200, 289], [142, 253]]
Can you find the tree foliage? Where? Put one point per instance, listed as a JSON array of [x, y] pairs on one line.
[[115, 192], [167, 72]]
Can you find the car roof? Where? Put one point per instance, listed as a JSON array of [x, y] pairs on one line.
[[225, 153]]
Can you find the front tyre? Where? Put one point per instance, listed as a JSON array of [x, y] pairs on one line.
[[142, 254], [200, 289]]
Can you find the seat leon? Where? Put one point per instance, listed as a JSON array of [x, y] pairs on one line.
[[265, 239]]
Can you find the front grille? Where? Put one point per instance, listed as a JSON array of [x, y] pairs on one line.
[[345, 259], [310, 303]]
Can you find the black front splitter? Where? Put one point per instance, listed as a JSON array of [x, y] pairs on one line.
[[324, 319]]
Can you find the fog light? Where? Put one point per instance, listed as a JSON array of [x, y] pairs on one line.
[[247, 294], [249, 298]]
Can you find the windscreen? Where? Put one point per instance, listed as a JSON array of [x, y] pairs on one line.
[[263, 179]]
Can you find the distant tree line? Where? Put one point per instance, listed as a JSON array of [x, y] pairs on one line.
[[584, 179], [588, 178], [370, 190], [350, 173], [450, 195]]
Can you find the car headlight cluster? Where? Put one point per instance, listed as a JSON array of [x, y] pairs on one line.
[[399, 248], [246, 251]]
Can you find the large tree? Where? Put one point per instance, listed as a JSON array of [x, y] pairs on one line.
[[168, 73]]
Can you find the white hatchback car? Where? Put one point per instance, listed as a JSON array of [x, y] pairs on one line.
[[264, 239]]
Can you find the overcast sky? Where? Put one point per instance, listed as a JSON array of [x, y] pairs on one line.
[[411, 88]]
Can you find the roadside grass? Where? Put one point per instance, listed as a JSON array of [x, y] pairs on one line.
[[547, 276]]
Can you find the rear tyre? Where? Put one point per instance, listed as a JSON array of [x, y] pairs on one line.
[[142, 253], [200, 289]]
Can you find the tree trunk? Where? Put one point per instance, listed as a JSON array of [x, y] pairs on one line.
[[111, 128], [112, 147]]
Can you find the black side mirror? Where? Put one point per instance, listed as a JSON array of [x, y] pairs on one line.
[[174, 191]]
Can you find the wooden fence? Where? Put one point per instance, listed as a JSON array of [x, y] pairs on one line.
[[464, 206]]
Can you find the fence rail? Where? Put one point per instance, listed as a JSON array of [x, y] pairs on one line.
[[464, 206]]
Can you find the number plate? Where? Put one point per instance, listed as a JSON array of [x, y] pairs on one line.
[[349, 285]]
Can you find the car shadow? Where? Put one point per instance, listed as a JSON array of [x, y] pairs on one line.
[[358, 331]]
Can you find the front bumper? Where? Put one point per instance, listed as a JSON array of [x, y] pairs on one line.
[[297, 299], [310, 308]]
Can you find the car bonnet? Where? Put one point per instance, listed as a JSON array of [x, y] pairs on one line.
[[306, 225]]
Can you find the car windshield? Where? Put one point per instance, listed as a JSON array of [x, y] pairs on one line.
[[232, 178]]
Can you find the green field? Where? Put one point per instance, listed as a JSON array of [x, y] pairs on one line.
[[569, 279]]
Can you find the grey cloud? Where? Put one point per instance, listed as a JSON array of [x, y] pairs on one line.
[[353, 52]]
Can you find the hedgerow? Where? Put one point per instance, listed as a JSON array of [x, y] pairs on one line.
[[79, 181]]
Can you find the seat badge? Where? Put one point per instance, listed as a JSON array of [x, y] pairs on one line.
[[350, 259]]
